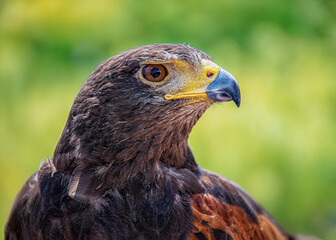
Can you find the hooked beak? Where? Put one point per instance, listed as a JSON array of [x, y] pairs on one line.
[[224, 88], [213, 84]]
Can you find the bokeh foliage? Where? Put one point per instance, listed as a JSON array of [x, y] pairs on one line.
[[280, 145]]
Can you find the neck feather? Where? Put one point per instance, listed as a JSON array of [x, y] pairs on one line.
[[117, 149]]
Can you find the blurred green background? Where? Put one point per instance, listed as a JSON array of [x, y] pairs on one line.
[[280, 145]]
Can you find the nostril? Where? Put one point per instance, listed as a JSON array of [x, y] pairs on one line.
[[210, 75]]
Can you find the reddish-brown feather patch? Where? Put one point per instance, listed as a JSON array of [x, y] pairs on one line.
[[210, 213]]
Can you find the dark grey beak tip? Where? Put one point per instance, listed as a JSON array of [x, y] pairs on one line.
[[224, 88], [237, 102]]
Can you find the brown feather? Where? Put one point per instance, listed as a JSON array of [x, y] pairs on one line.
[[230, 215], [211, 214]]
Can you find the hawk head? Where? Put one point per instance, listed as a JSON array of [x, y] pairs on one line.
[[138, 107]]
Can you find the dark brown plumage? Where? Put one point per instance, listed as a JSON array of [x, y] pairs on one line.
[[123, 169]]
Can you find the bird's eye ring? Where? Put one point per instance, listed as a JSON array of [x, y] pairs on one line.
[[154, 72]]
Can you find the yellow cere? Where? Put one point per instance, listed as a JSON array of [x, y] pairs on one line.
[[209, 66], [196, 81]]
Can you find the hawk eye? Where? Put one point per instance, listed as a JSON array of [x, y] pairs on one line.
[[154, 72]]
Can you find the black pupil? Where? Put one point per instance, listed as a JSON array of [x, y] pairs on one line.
[[155, 72]]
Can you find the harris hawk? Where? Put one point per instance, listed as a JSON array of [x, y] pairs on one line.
[[122, 168]]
